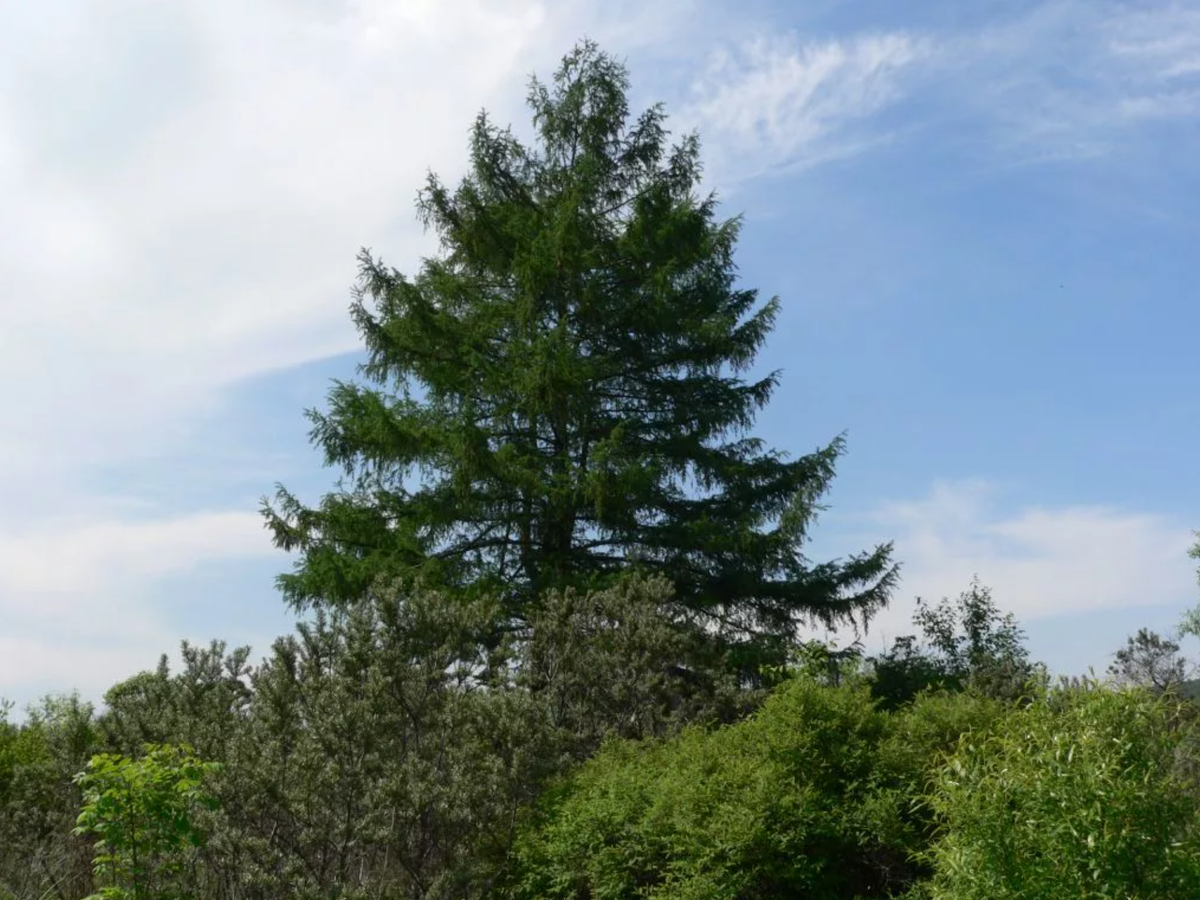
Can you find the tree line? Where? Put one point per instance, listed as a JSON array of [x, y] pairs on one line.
[[549, 644]]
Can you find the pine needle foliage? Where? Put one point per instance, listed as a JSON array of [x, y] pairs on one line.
[[564, 391]]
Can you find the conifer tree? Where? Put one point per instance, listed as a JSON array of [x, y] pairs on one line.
[[562, 393]]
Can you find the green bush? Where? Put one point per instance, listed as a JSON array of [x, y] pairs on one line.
[[39, 857], [811, 797], [142, 813], [1076, 797]]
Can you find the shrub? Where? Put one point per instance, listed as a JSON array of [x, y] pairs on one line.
[[1075, 797], [810, 797], [141, 811]]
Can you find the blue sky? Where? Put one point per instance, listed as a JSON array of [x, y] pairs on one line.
[[981, 219]]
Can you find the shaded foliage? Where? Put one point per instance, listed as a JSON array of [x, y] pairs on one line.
[[377, 755], [203, 705], [967, 644], [1151, 661], [388, 745], [383, 750], [627, 662], [39, 856]]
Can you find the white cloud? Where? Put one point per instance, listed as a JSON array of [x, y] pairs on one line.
[[1040, 562], [1076, 79], [77, 597], [1061, 80], [780, 103], [186, 187], [1163, 40], [70, 559]]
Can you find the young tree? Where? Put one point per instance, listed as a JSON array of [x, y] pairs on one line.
[[201, 706], [372, 763], [562, 392], [142, 814], [968, 643]]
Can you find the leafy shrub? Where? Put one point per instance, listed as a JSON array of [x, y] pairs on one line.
[[809, 797], [142, 811], [1076, 797]]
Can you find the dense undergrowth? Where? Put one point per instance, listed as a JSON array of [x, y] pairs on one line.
[[324, 779]]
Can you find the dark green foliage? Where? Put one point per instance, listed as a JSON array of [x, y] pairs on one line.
[[1075, 796], [625, 662], [811, 797], [382, 751], [39, 856], [142, 813], [387, 747], [201, 706], [967, 645], [387, 751], [378, 757], [1151, 661], [562, 393], [28, 858], [141, 710], [905, 670]]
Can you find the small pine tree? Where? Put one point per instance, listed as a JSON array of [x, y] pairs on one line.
[[1151, 661]]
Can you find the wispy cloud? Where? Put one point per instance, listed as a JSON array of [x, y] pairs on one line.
[[773, 103], [185, 188], [188, 187], [1162, 40], [1040, 561], [78, 598], [66, 560], [1060, 80], [1070, 79]]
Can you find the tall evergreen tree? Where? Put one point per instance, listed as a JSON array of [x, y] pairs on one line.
[[562, 393]]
